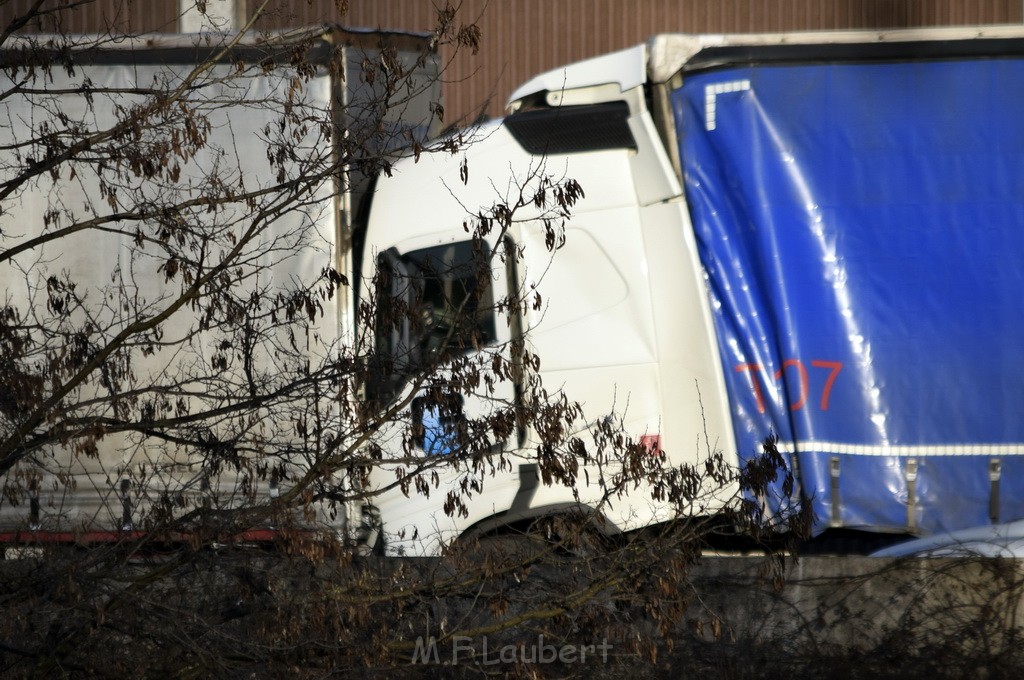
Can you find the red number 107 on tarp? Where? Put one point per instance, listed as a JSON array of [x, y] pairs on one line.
[[805, 383]]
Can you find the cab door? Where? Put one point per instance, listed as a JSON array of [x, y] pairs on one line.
[[446, 339]]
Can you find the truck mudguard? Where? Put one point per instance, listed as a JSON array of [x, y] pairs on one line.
[[861, 226]]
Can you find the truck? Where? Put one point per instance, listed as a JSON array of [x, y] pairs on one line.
[[810, 236], [131, 163]]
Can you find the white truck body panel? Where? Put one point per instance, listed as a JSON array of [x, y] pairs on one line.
[[81, 494]]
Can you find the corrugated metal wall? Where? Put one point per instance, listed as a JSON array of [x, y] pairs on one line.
[[98, 16], [523, 37]]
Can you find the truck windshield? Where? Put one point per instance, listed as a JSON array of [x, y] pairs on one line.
[[432, 304]]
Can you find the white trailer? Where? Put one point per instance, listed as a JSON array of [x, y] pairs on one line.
[[96, 481]]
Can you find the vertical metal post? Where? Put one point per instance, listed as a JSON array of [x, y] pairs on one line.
[[833, 469], [912, 494], [33, 506], [275, 481], [126, 505], [995, 472]]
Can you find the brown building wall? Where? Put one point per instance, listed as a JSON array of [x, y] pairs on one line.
[[523, 37]]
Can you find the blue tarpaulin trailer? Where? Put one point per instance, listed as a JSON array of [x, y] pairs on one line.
[[861, 225]]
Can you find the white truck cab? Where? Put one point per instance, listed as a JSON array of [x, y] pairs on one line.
[[622, 326]]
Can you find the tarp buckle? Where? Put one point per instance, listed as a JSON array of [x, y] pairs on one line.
[[912, 494], [995, 472], [833, 469]]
